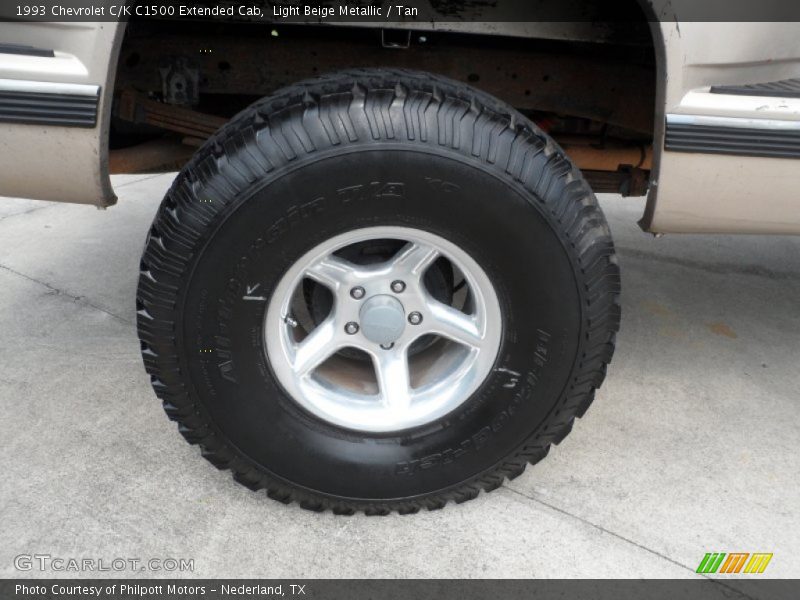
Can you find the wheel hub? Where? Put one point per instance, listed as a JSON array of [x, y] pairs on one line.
[[383, 319]]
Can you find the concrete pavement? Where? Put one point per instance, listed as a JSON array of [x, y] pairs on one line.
[[691, 446]]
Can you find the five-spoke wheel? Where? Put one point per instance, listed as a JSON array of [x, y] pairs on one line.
[[387, 354]]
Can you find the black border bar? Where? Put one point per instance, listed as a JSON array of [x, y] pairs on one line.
[[388, 11], [733, 588]]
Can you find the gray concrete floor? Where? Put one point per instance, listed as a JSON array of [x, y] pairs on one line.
[[690, 447]]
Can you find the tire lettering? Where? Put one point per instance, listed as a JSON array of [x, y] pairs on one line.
[[442, 185], [294, 215], [374, 190]]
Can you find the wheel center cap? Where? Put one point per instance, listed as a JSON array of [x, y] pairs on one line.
[[382, 319]]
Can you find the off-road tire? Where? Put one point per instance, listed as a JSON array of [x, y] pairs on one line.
[[369, 114]]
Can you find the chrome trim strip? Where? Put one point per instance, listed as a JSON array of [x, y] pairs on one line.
[[23, 86], [736, 122], [25, 50]]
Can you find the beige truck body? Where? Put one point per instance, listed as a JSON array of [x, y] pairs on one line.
[[692, 189]]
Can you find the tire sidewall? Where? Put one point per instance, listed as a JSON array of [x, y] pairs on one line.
[[269, 226]]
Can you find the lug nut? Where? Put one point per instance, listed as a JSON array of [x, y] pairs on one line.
[[351, 328], [357, 293], [387, 346], [398, 287], [415, 318]]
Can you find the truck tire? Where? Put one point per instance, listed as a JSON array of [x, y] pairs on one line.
[[377, 291]]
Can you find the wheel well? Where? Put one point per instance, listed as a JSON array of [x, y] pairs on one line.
[[592, 86]]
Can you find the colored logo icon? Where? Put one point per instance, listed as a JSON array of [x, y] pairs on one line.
[[736, 562]]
